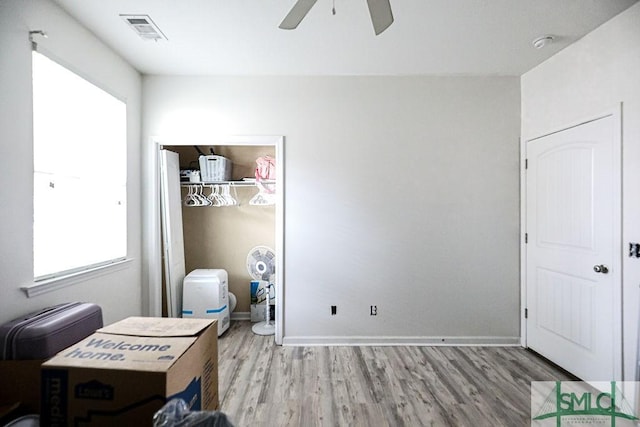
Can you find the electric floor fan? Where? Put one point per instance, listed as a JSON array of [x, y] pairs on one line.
[[261, 265]]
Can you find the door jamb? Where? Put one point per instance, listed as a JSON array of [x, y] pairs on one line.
[[152, 240]]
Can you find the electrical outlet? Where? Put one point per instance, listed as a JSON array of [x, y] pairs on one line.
[[373, 310], [333, 310], [634, 250]]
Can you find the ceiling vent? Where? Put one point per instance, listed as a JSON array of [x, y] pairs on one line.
[[144, 26]]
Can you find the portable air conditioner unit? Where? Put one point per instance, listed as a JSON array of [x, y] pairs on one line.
[[205, 295]]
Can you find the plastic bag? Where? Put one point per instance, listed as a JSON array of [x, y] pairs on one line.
[[176, 413]]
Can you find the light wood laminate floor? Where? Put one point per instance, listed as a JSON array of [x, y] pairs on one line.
[[262, 384]]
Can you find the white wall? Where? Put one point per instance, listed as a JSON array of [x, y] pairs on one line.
[[119, 293], [593, 75], [401, 192]]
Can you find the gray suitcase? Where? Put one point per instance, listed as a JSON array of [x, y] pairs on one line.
[[42, 334]]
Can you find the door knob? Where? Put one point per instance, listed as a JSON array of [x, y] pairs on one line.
[[601, 269]]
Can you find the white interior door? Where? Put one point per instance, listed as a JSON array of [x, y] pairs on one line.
[[172, 238], [573, 255]]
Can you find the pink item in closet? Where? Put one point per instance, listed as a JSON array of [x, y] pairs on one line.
[[266, 168]]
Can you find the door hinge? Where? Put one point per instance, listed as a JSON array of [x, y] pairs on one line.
[[526, 313], [526, 163], [526, 237]]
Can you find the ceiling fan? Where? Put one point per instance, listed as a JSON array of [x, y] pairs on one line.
[[380, 10]]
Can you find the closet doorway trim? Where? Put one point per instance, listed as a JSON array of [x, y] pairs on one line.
[[152, 250]]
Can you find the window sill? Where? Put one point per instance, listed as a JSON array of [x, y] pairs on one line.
[[49, 285]]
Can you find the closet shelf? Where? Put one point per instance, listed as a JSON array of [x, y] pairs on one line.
[[251, 183]]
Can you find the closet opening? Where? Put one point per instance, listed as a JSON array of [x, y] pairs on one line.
[[230, 222]]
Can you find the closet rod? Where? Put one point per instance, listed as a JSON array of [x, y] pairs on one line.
[[229, 183]]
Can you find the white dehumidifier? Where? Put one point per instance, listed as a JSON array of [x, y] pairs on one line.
[[205, 295]]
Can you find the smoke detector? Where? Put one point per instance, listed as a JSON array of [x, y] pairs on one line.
[[144, 26], [542, 41]]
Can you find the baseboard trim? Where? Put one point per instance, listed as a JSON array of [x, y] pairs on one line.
[[413, 341], [240, 315]]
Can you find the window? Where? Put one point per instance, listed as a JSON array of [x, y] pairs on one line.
[[79, 159]]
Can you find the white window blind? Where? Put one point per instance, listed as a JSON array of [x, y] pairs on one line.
[[79, 150]]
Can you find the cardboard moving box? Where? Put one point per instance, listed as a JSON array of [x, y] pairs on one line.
[[126, 371]]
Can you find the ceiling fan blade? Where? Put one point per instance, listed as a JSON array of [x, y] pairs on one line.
[[381, 15], [297, 14]]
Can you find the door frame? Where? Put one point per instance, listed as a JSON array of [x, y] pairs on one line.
[[616, 113], [152, 239]]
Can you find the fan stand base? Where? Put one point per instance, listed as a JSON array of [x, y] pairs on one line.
[[264, 328]]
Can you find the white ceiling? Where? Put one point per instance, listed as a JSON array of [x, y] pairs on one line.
[[241, 37]]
